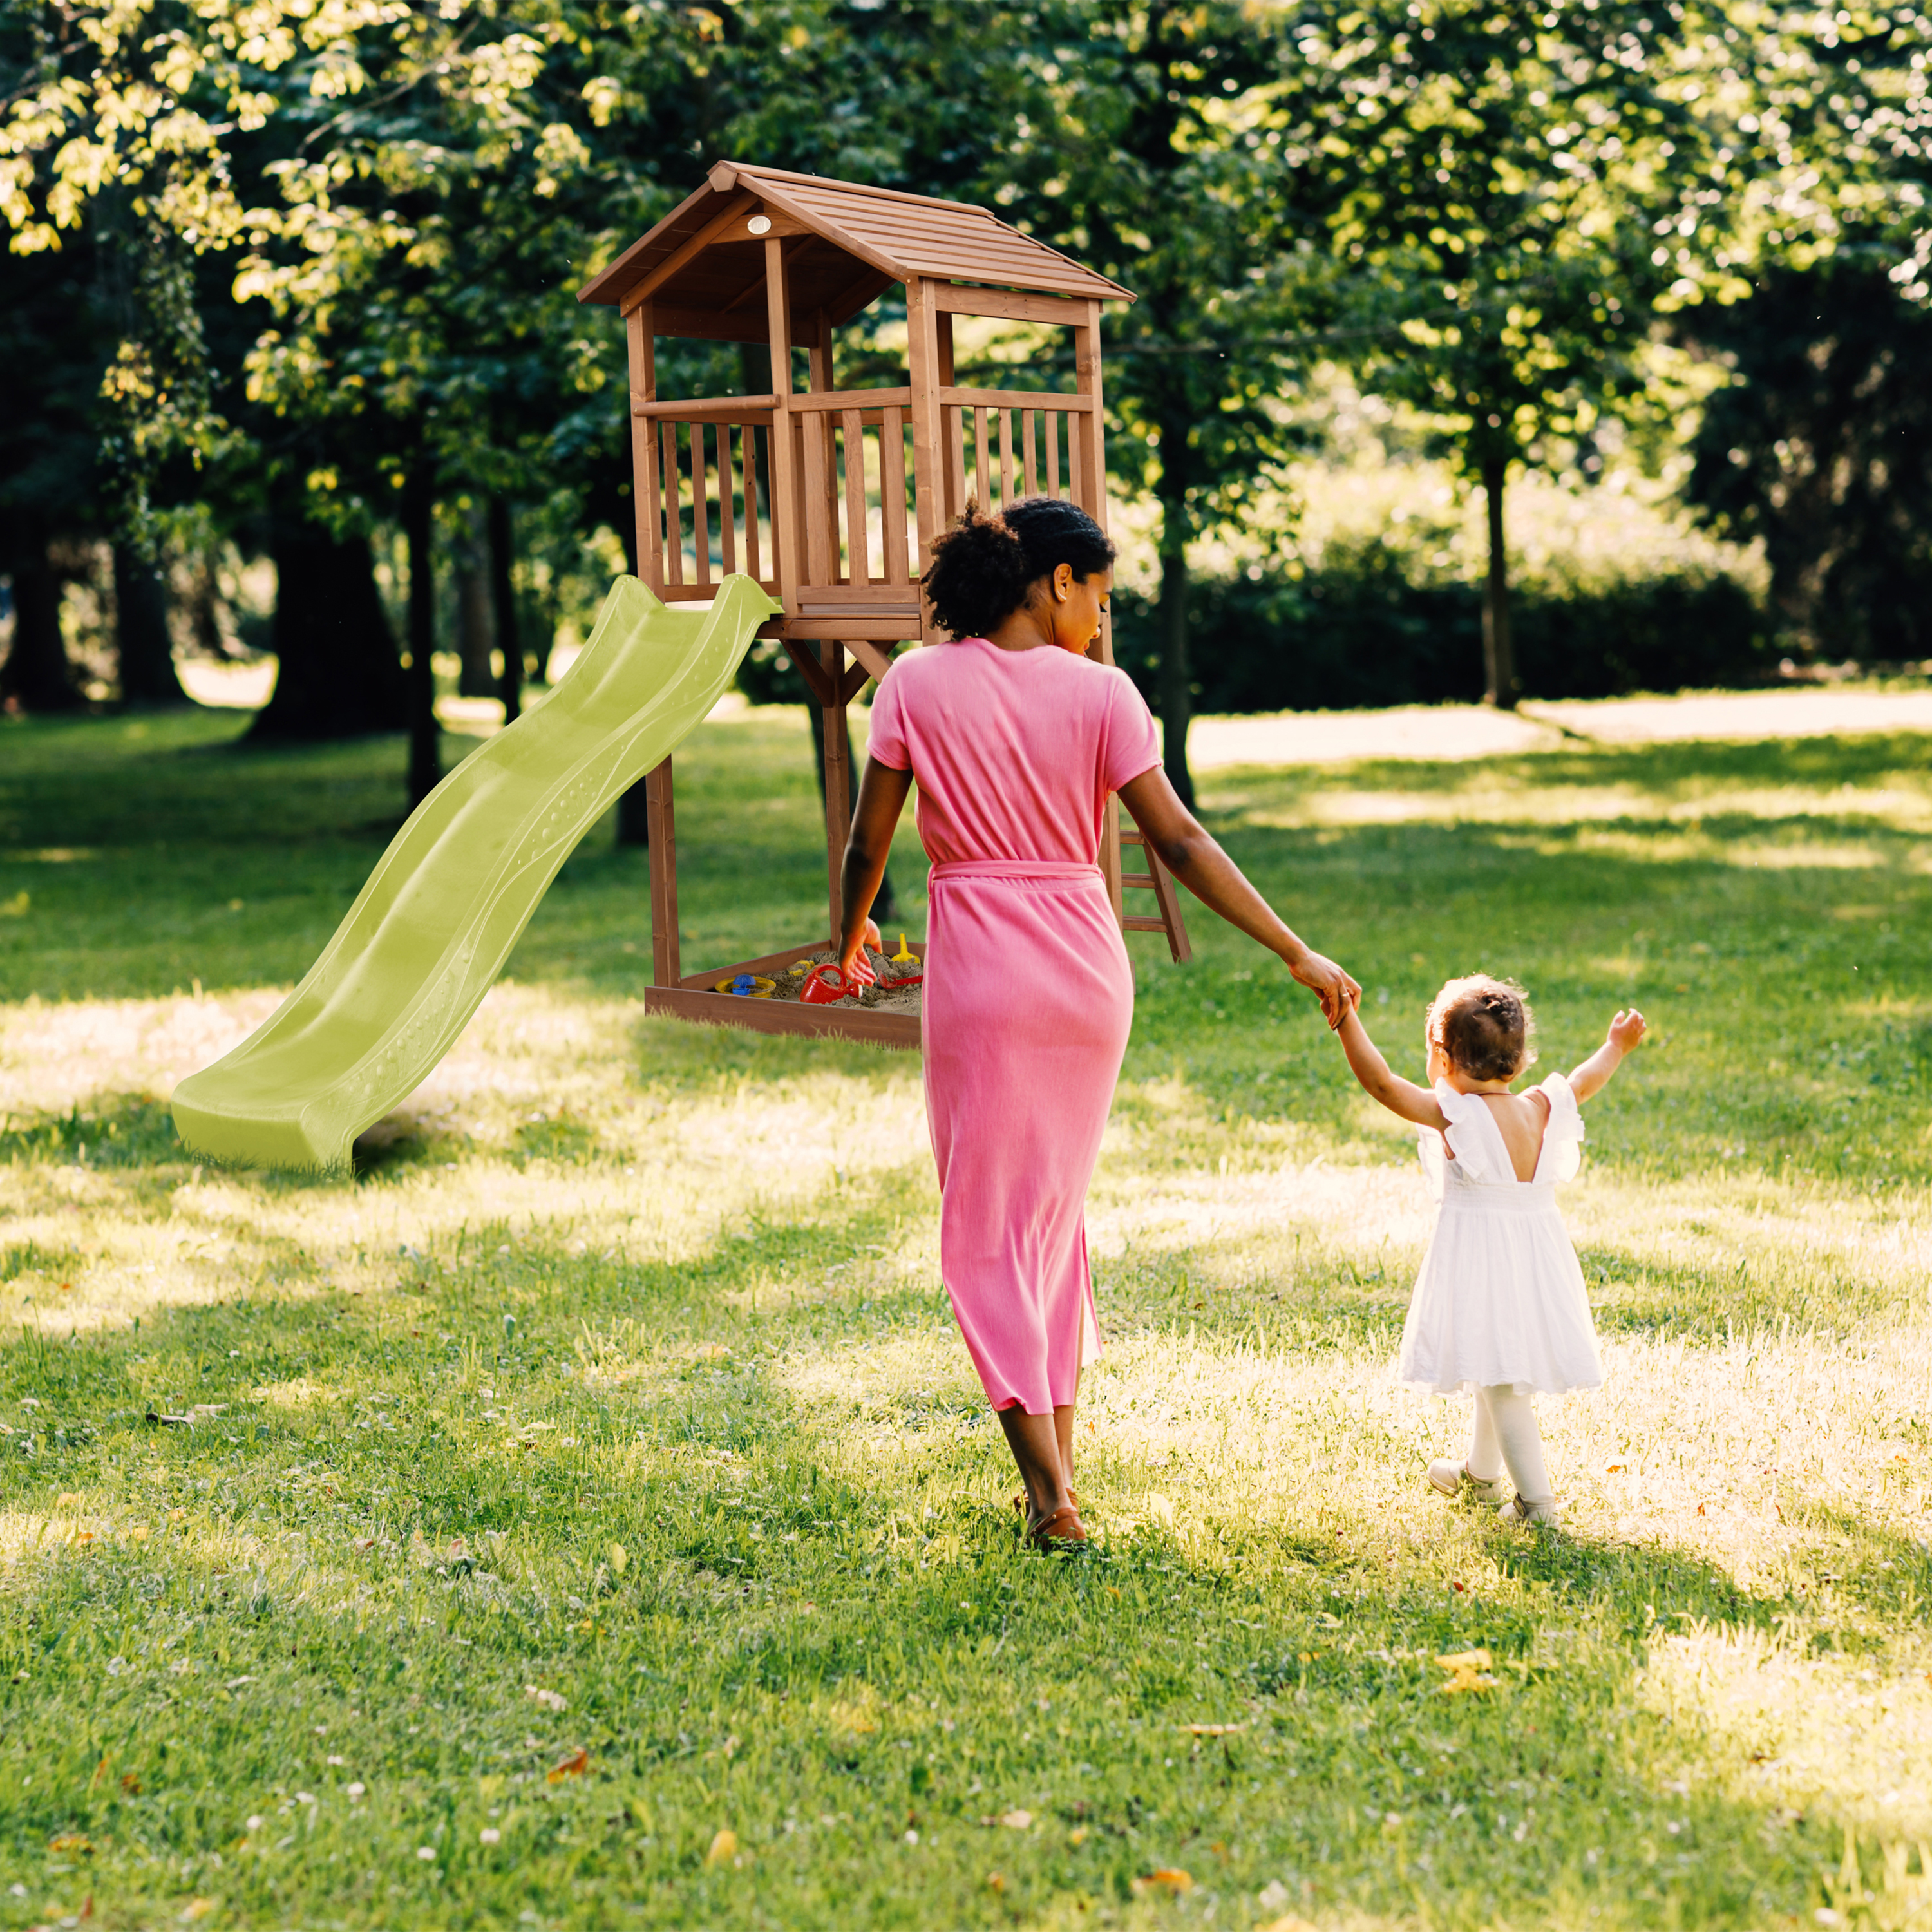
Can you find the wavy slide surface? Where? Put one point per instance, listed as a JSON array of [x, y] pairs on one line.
[[432, 927]]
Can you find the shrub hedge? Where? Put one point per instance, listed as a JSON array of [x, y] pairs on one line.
[[1360, 630]]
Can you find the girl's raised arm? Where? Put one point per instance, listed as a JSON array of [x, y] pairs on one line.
[[1594, 1075], [1402, 1098]]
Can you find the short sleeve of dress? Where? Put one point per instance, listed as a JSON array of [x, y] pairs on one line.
[[1563, 1138], [1472, 1136], [886, 741], [1133, 747]]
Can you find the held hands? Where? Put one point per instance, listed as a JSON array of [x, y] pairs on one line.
[[1337, 991], [1627, 1029], [853, 962]]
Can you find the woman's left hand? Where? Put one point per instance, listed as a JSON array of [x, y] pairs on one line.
[[1336, 989], [856, 967]]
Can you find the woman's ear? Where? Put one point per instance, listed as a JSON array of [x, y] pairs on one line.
[[1063, 581]]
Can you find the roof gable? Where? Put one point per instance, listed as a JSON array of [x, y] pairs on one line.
[[847, 242]]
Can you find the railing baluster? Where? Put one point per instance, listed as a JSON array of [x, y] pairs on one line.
[[892, 516], [1073, 465], [858, 556], [727, 500], [752, 498], [956, 437], [701, 504], [1027, 426], [673, 512], [1052, 419], [1005, 458], [982, 466]]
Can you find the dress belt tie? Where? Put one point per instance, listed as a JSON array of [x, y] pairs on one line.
[[1015, 868]]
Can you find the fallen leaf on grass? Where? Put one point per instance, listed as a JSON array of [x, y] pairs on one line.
[[70, 1841], [551, 1700], [66, 1499], [1017, 1821], [995, 1882], [1469, 1670], [1212, 1730], [571, 1767], [1290, 1923], [1078, 1837], [618, 1558], [131, 1784], [724, 1848], [1169, 1878], [196, 1908]]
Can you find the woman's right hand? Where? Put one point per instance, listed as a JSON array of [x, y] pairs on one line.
[[1334, 988]]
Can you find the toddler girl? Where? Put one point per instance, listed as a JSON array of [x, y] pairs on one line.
[[1499, 1307]]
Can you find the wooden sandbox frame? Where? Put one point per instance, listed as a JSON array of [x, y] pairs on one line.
[[758, 255]]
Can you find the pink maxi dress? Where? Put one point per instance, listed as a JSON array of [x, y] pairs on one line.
[[1028, 994]]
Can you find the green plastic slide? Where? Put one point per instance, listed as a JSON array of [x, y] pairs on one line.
[[432, 927]]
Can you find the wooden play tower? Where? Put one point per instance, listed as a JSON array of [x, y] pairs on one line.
[[830, 498]]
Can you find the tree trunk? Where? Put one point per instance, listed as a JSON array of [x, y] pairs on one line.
[[1176, 675], [885, 902], [425, 751], [339, 675], [503, 598], [1499, 653], [475, 632], [141, 630], [37, 675]]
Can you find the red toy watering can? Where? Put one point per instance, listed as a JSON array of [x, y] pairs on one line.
[[825, 986]]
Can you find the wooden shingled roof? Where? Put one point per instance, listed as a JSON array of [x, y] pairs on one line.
[[703, 269]]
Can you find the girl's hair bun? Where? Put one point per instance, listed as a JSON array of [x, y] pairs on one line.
[[1484, 1027], [983, 569]]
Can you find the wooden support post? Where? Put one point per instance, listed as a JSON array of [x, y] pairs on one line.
[[665, 966], [838, 781], [645, 486], [786, 560], [1088, 455], [928, 436]]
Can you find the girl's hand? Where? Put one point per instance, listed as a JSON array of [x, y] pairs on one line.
[[1627, 1029], [1336, 990], [853, 963]]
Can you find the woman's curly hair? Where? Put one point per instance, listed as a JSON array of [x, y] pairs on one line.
[[984, 568], [1484, 1027]]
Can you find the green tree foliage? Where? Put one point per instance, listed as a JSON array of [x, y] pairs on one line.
[[1821, 446], [1146, 149], [1514, 192]]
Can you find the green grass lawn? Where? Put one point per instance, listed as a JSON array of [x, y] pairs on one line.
[[586, 1516]]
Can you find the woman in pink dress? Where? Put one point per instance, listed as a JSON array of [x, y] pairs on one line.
[[1016, 737]]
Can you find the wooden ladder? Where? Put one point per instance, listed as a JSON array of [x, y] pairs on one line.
[[1157, 879]]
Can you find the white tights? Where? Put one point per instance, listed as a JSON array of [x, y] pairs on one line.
[[1506, 1436]]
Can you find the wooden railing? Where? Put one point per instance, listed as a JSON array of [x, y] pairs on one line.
[[707, 471], [858, 504], [854, 547], [1004, 444]]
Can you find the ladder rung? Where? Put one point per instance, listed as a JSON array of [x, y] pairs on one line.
[[1145, 925], [1133, 838], [1143, 880]]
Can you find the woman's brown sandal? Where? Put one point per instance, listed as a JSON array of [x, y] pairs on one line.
[[1064, 1529]]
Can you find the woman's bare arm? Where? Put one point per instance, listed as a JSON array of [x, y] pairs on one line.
[[882, 797], [1402, 1097], [1185, 847]]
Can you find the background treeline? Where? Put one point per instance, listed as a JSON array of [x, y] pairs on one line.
[[290, 303]]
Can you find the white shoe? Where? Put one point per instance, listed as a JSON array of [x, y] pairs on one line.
[[1451, 1479], [1545, 1514]]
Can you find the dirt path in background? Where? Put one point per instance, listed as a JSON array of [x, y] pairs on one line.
[[1470, 731]]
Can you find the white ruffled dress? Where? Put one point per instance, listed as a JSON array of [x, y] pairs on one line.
[[1500, 1297]]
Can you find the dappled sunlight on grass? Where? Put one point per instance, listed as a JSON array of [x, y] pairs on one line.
[[597, 1469]]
